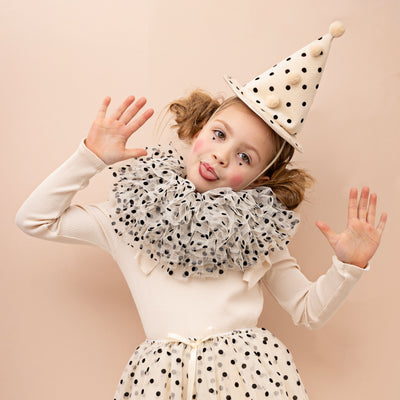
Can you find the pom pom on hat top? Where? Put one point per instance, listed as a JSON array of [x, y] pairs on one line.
[[282, 95]]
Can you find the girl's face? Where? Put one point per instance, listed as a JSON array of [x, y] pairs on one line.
[[230, 150]]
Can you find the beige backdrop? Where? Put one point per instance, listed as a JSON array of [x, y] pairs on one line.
[[69, 324]]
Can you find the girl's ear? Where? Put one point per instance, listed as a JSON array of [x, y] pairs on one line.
[[194, 136], [261, 181]]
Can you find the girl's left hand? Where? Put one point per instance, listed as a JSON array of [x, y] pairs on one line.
[[358, 243]]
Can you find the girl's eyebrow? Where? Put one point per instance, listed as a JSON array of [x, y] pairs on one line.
[[229, 129]]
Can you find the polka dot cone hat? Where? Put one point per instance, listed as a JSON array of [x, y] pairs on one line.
[[282, 95]]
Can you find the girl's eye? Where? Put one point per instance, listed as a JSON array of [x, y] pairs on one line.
[[219, 134], [245, 157]]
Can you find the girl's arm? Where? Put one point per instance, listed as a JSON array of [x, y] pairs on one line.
[[48, 213], [312, 303]]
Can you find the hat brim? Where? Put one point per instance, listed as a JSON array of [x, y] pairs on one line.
[[262, 113]]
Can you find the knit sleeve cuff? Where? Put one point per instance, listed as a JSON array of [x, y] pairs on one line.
[[350, 270], [96, 161]]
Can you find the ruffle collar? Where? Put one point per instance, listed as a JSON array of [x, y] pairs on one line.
[[158, 211]]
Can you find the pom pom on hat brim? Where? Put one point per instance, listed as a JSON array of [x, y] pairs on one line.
[[263, 113]]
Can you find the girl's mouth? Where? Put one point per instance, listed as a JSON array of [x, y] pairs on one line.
[[207, 172]]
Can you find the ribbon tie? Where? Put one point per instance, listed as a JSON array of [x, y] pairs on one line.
[[193, 353]]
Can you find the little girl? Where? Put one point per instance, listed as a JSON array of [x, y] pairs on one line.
[[196, 234]]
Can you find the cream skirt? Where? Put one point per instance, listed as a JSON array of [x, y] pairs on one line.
[[249, 363]]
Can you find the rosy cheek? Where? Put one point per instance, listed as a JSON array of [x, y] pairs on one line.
[[198, 145], [236, 180]]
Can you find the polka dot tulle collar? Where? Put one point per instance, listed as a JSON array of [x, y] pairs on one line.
[[158, 211]]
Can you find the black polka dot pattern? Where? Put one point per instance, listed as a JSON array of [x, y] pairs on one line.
[[240, 364], [294, 82], [158, 211]]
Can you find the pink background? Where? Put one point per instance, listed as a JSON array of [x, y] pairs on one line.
[[69, 324]]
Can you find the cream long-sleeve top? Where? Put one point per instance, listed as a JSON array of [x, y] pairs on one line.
[[196, 306]]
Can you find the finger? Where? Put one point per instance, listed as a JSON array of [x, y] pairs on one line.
[[137, 123], [133, 110], [352, 209], [103, 108], [328, 232], [372, 209], [362, 204], [381, 225], [121, 109]]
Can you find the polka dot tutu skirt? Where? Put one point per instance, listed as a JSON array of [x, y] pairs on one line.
[[249, 363]]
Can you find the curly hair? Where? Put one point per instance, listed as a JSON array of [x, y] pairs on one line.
[[191, 113]]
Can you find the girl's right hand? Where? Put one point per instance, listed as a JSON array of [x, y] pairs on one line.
[[108, 135]]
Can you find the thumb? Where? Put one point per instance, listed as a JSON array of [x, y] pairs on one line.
[[327, 232], [129, 153]]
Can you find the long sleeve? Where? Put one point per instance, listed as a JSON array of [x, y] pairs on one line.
[[48, 214], [310, 304]]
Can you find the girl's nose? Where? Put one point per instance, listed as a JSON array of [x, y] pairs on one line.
[[221, 157]]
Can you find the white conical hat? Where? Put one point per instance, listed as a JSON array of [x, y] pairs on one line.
[[282, 95]]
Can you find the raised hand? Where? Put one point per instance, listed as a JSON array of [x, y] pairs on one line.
[[108, 135], [359, 241]]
